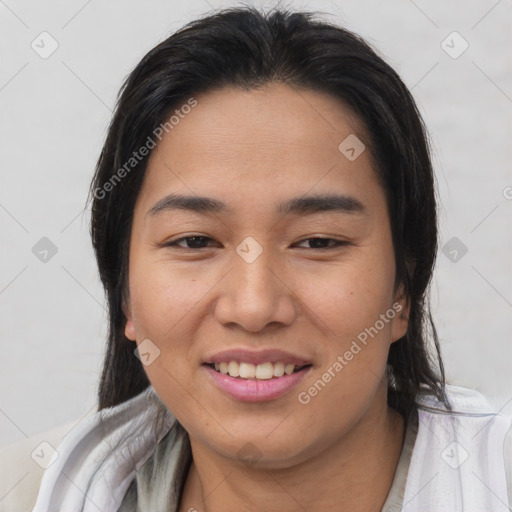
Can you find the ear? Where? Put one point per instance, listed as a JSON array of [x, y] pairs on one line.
[[129, 328], [400, 321]]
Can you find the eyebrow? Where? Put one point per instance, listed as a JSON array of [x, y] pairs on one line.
[[305, 205]]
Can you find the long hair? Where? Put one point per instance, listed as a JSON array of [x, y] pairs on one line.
[[245, 48]]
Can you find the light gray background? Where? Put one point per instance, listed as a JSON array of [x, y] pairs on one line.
[[54, 114]]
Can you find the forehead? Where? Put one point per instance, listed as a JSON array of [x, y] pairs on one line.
[[232, 122], [274, 142]]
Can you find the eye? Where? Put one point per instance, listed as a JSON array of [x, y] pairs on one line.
[[201, 242], [323, 243], [193, 242]]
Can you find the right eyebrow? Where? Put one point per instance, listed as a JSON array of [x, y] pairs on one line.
[[199, 204]]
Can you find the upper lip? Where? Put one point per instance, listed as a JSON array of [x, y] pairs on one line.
[[256, 357]]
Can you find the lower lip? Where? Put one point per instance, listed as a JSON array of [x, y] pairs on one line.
[[250, 390]]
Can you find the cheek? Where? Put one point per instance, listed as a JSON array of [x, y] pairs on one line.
[[167, 307], [355, 347], [348, 303], [350, 297], [164, 305], [161, 296]]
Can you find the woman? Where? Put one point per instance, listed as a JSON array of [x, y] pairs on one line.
[[264, 221]]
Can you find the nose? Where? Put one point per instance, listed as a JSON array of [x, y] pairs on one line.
[[255, 295]]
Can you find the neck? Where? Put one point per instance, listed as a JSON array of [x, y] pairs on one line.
[[336, 479]]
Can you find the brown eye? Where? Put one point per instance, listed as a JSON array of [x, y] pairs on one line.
[[192, 242], [323, 243]]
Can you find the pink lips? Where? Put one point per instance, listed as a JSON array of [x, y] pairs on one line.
[[254, 390]]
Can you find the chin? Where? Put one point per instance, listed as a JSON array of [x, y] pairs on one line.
[[257, 449]]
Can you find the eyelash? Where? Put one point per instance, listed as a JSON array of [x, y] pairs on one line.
[[337, 243]]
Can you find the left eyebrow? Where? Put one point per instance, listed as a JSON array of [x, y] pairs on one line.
[[305, 205], [322, 203]]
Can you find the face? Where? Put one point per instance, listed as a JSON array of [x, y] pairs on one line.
[[283, 278]]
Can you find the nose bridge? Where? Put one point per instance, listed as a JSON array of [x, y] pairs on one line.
[[255, 296], [256, 283]]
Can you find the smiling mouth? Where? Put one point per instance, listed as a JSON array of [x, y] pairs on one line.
[[249, 371]]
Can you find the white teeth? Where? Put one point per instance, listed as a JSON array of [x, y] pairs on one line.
[[265, 371], [247, 371], [233, 369], [262, 371], [278, 369]]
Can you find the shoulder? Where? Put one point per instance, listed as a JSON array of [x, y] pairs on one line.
[[23, 465], [96, 461], [159, 482], [462, 399], [472, 418], [463, 449]]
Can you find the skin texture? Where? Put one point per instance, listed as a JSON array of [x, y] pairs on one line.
[[252, 150]]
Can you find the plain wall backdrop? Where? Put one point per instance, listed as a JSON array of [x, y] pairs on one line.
[[56, 103]]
